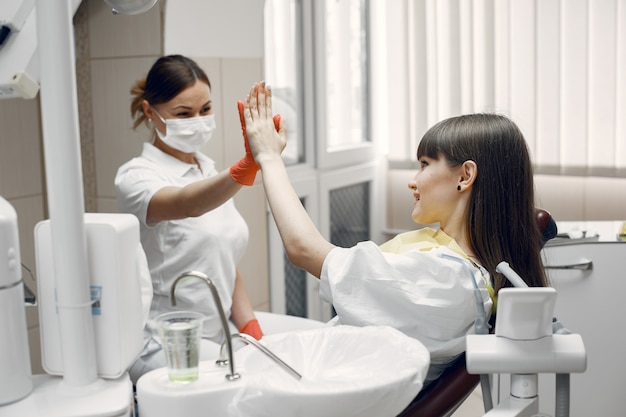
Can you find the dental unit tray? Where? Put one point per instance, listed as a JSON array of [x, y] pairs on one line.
[[525, 345]]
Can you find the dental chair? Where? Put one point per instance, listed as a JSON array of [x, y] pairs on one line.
[[442, 397]]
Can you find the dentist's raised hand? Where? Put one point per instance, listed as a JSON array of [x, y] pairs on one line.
[[266, 133]]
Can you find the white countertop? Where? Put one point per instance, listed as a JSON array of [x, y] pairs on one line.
[[588, 231]]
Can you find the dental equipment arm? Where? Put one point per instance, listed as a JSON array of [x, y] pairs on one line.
[[527, 341], [19, 60]]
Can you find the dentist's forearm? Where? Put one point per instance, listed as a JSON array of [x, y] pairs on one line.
[[195, 199], [305, 246], [241, 310]]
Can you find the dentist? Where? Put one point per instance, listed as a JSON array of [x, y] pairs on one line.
[[475, 180], [188, 220]]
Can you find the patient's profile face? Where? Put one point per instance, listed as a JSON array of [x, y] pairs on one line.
[[435, 190]]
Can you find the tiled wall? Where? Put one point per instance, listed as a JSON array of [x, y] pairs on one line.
[[121, 50]]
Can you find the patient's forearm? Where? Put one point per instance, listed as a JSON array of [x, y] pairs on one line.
[[305, 245]]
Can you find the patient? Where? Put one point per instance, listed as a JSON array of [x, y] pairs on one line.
[[475, 180]]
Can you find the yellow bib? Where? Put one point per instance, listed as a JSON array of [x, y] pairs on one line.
[[425, 239]]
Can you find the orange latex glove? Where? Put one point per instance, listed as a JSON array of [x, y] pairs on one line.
[[244, 171], [252, 328]]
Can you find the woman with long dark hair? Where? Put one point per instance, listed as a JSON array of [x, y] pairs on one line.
[[475, 181]]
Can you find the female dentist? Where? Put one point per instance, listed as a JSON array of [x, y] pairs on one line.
[[188, 220], [475, 180]]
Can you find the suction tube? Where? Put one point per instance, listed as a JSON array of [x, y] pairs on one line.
[[517, 281], [481, 325]]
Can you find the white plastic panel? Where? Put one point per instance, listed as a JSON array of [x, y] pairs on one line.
[[112, 249]]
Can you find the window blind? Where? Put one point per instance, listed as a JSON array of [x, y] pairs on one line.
[[556, 67]]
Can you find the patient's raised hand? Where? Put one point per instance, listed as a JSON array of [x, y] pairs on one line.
[[265, 132]]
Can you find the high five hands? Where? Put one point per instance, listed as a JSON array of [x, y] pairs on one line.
[[244, 171], [265, 133]]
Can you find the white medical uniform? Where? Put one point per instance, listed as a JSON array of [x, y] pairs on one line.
[[407, 284], [212, 243]]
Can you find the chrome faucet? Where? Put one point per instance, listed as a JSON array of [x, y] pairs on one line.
[[252, 341], [233, 375]]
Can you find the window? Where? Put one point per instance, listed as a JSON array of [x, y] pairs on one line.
[[318, 64], [283, 70], [346, 55]]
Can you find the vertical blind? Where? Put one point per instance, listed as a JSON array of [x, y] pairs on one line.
[[556, 67]]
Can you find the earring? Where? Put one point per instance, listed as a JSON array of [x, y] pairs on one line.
[[458, 187]]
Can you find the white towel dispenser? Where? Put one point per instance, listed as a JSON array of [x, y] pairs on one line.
[[114, 269]]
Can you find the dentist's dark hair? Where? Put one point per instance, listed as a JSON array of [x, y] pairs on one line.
[[168, 76], [501, 215]]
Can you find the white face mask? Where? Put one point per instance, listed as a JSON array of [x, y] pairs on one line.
[[187, 135]]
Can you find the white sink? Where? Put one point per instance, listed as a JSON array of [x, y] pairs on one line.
[[346, 371]]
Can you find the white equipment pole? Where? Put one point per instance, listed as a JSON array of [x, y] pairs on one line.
[[65, 189]]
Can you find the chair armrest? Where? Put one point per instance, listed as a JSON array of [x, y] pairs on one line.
[[442, 396]]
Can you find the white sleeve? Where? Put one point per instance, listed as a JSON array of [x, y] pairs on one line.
[[135, 185]]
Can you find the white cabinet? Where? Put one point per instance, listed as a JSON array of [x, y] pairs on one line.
[[592, 302]]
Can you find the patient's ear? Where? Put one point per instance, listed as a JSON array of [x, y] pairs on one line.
[[469, 172]]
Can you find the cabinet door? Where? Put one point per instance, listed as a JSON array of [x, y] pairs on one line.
[[591, 302]]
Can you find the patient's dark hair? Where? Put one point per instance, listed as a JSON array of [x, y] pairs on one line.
[[501, 213], [168, 76]]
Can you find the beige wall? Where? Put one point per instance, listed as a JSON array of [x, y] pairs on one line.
[[565, 197], [582, 198]]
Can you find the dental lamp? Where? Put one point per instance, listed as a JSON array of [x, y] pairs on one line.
[[130, 7], [19, 61], [37, 53], [19, 64]]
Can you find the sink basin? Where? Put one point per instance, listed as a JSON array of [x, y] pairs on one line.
[[346, 371]]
